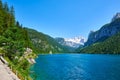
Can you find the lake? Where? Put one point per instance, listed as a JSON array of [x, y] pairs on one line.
[[76, 67]]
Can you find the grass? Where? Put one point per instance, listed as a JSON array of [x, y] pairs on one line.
[[22, 73]]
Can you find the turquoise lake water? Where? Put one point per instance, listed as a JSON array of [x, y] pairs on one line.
[[76, 67]]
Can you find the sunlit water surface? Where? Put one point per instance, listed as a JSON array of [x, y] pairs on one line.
[[76, 67]]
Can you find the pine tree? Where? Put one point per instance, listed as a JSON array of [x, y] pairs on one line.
[[1, 6], [17, 24], [5, 7], [1, 17], [12, 16]]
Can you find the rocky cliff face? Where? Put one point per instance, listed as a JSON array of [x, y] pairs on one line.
[[105, 32], [116, 16]]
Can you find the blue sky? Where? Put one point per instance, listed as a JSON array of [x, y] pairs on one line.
[[65, 18]]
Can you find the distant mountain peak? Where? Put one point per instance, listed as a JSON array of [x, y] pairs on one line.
[[78, 40], [72, 42], [116, 16]]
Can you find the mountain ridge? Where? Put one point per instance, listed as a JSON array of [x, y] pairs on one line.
[[104, 32], [44, 43], [105, 41]]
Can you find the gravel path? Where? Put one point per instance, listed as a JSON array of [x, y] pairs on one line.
[[6, 73]]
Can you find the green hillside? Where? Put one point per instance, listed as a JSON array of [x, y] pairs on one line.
[[44, 43], [110, 46]]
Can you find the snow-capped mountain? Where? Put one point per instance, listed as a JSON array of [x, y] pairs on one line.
[[71, 42]]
